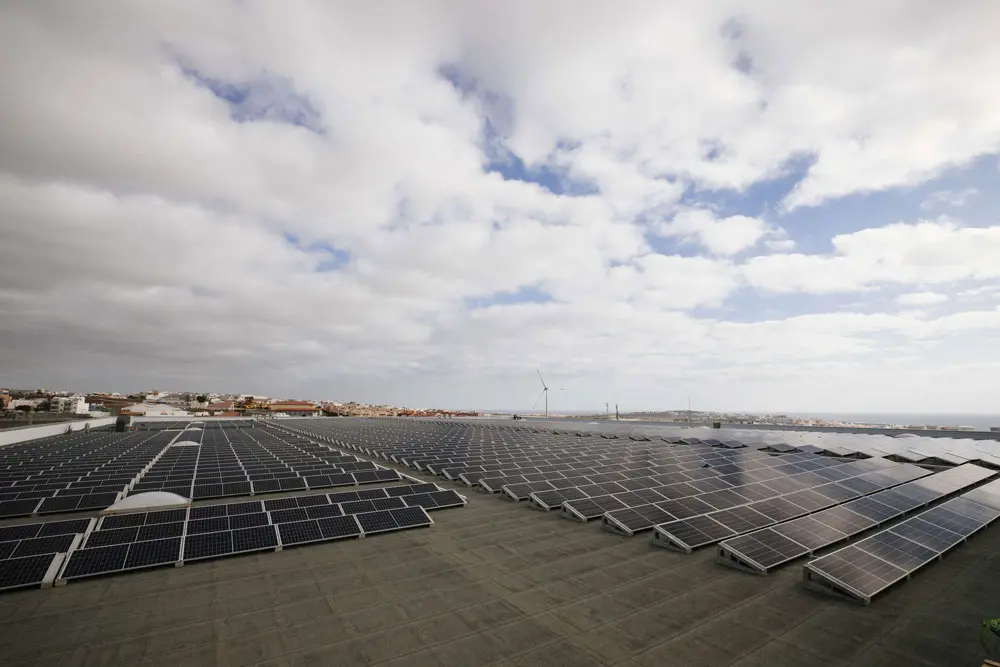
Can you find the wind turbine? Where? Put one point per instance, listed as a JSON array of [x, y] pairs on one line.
[[545, 393]]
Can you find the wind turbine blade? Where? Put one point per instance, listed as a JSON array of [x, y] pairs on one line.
[[540, 377], [538, 399]]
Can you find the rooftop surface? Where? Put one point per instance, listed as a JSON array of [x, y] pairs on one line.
[[498, 583]]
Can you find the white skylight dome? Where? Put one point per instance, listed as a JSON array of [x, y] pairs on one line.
[[146, 502]]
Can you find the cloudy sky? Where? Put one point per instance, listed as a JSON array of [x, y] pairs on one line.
[[766, 206]]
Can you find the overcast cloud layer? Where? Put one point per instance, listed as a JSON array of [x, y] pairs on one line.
[[767, 206]]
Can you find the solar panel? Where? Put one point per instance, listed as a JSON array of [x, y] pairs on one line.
[[212, 525], [410, 517], [844, 520], [153, 552], [339, 527], [897, 550], [688, 534], [207, 512], [357, 507], [872, 509], [248, 520], [943, 517], [123, 521], [22, 532], [104, 538], [741, 519], [810, 532], [323, 511], [857, 571], [43, 545], [927, 534], [376, 522], [208, 545], [92, 561], [20, 572], [447, 498], [288, 516], [763, 549], [257, 538], [300, 532], [160, 531]]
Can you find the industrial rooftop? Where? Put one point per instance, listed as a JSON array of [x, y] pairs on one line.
[[484, 576]]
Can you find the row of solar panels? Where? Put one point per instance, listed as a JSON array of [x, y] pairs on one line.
[[913, 448], [850, 515], [77, 503], [29, 552], [778, 529], [866, 568]]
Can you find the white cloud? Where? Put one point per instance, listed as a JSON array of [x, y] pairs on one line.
[[927, 252], [920, 299], [946, 198], [720, 236], [152, 234]]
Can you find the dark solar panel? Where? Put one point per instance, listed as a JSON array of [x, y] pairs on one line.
[[323, 511], [280, 504], [872, 509], [160, 531], [255, 539], [411, 489], [858, 570], [741, 519], [154, 552], [897, 550], [374, 522], [288, 516], [22, 532], [943, 517], [448, 498], [357, 507], [765, 548], [253, 506], [18, 572], [208, 545], [810, 533], [104, 538], [696, 531], [312, 501], [300, 532], [43, 545], [927, 534], [248, 520], [92, 561], [410, 517], [212, 525], [778, 509], [63, 527], [338, 527]]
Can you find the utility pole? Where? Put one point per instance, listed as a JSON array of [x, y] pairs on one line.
[[607, 411], [617, 417]]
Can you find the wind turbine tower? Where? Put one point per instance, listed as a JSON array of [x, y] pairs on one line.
[[545, 392]]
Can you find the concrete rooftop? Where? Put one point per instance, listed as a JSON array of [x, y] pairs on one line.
[[496, 583]]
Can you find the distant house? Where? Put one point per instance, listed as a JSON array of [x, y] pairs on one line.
[[295, 408], [153, 410], [220, 407]]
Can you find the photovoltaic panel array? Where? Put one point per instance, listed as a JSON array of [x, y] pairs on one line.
[[150, 539], [711, 527], [84, 470], [862, 570], [763, 550]]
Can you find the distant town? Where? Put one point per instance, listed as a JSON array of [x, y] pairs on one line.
[[24, 406], [738, 418], [33, 406]]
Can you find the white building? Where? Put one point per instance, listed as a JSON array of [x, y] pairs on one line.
[[76, 405]]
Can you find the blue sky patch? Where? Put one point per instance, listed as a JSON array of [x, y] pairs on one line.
[[522, 295], [264, 98]]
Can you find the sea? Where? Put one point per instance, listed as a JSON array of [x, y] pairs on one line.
[[977, 421]]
